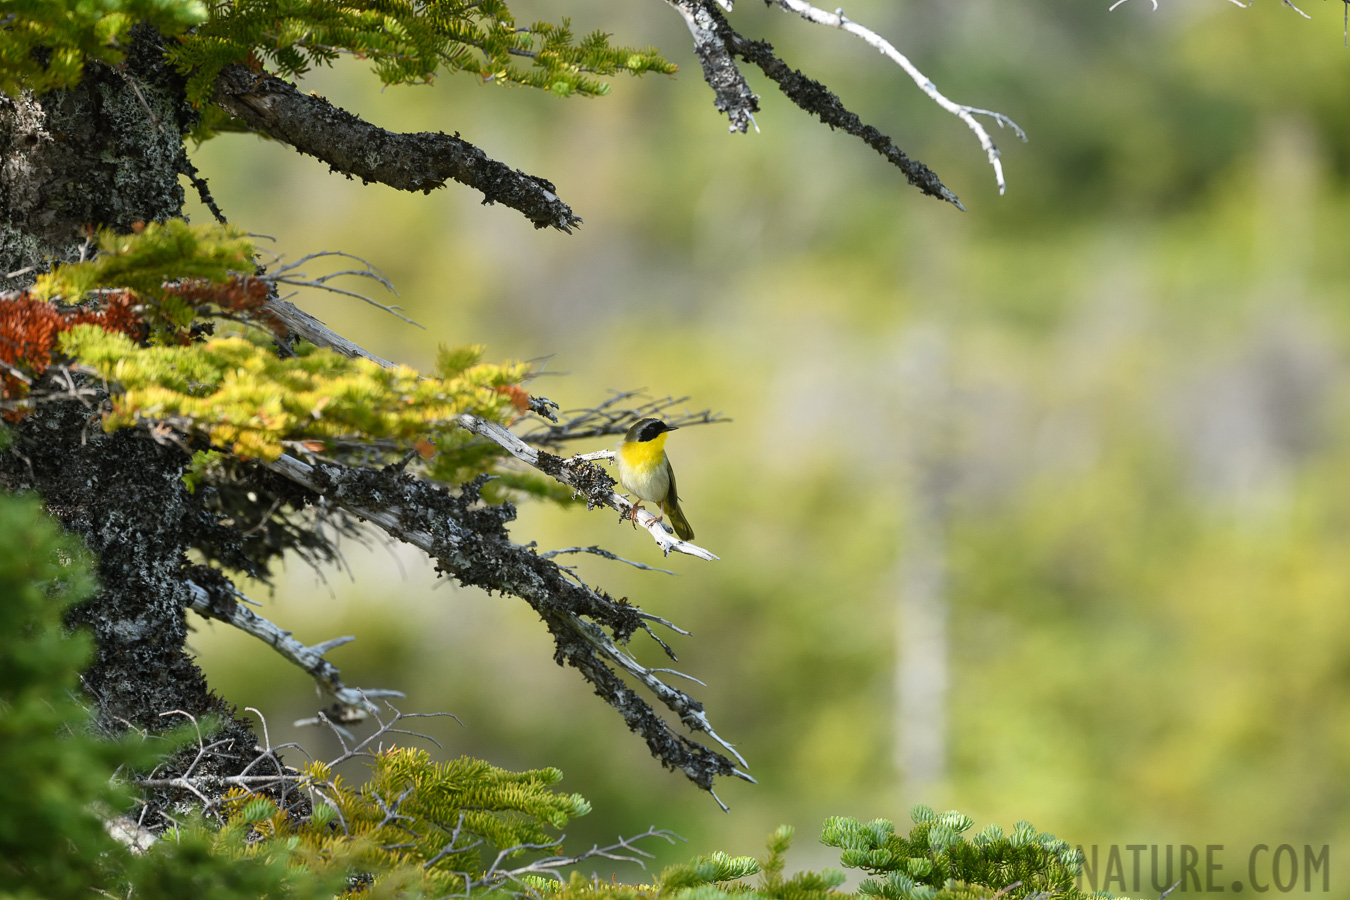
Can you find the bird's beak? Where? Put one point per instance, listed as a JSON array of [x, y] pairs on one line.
[[672, 428]]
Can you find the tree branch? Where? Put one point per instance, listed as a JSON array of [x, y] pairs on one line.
[[733, 95], [220, 601], [813, 97], [965, 113], [589, 480], [468, 540], [716, 42], [410, 162]]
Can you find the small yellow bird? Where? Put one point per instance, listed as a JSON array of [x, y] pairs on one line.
[[645, 471]]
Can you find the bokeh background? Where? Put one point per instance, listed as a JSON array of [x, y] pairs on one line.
[[1040, 511]]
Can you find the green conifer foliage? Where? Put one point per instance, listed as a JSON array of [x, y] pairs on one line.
[[936, 862], [416, 828], [406, 42], [49, 839], [44, 44], [59, 774]]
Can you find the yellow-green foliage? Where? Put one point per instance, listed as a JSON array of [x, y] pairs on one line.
[[44, 44], [416, 828], [143, 262], [240, 395], [146, 263]]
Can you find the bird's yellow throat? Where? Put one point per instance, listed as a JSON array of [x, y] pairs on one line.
[[644, 454]]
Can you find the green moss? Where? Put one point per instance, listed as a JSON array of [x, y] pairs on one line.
[[239, 395]]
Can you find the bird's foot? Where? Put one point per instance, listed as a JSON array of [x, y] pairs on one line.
[[631, 514]]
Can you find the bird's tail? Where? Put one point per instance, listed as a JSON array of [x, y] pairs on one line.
[[683, 531]]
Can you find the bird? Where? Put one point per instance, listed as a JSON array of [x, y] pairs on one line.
[[644, 470]]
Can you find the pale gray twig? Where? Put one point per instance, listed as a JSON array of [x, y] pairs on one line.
[[966, 114], [309, 658]]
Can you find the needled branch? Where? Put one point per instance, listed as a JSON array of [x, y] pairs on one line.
[[410, 162]]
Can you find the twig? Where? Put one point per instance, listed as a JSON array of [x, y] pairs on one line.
[[203, 190], [310, 659], [614, 417], [288, 274], [965, 113], [622, 850], [690, 714], [602, 552]]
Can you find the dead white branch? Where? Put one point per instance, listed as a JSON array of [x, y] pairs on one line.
[[310, 659], [1234, 2], [966, 114]]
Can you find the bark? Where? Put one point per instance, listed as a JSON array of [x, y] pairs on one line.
[[421, 161], [105, 154]]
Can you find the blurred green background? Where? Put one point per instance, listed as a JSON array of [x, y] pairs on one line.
[[1038, 511]]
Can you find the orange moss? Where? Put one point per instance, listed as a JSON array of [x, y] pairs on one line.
[[29, 329]]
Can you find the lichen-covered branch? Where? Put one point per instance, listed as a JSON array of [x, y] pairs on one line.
[[818, 100], [356, 148], [468, 540], [576, 472], [733, 95]]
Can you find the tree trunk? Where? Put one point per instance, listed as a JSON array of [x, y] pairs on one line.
[[107, 154]]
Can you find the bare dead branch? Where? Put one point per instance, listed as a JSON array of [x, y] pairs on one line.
[[289, 274], [818, 100], [221, 602], [604, 554], [963, 112], [314, 331], [614, 417]]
